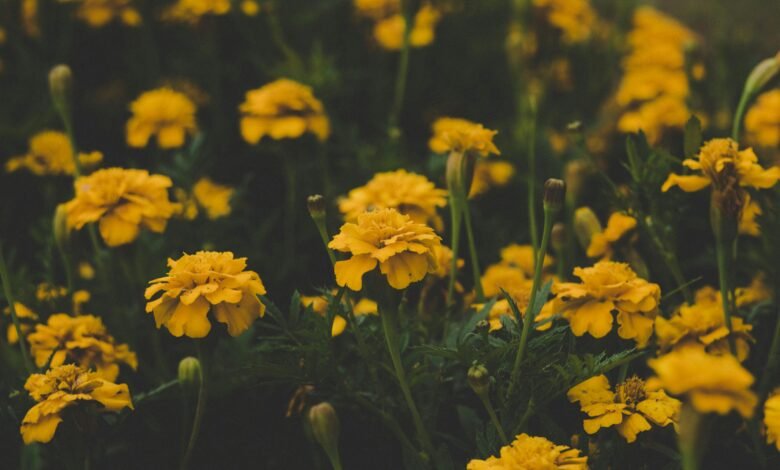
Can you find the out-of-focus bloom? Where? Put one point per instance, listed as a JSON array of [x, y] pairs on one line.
[[718, 162], [214, 198], [607, 288], [29, 14], [186, 205], [522, 257], [64, 387], [575, 18], [83, 340], [503, 276], [319, 305], [207, 281], [772, 418], [50, 153], [443, 255], [490, 174], [98, 13], [191, 11], [703, 325], [164, 113], [46, 292], [122, 201], [408, 193], [250, 7], [532, 453], [512, 280], [754, 293], [26, 319], [762, 121], [80, 298], [602, 243], [390, 24], [632, 407], [86, 271], [462, 135], [402, 248], [282, 109], [748, 225], [711, 383]]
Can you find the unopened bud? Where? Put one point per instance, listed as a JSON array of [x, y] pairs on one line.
[[60, 227], [558, 237], [479, 379], [483, 327], [460, 174], [190, 373], [324, 424], [762, 74], [586, 224], [61, 87], [316, 206], [554, 194]]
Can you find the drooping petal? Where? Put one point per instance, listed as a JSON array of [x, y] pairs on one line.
[[350, 272]]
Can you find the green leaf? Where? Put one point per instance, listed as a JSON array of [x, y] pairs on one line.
[[295, 307], [541, 298], [692, 139]]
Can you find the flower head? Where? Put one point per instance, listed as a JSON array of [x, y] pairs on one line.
[[575, 18], [163, 112], [98, 13], [522, 257], [214, 198], [632, 407], [618, 226], [762, 121], [207, 281], [390, 24], [402, 248], [513, 281], [50, 153], [191, 11], [121, 201], [532, 453], [462, 135], [65, 387], [772, 419], [319, 305], [490, 174], [283, 109]]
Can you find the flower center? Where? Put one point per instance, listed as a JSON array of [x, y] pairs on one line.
[[632, 391]]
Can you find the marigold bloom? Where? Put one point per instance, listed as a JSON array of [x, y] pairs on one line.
[[575, 18], [490, 174], [214, 198], [83, 340], [46, 292], [402, 248], [703, 325], [121, 201], [462, 135], [609, 288], [282, 109], [64, 387], [98, 13], [443, 255], [532, 453], [50, 153], [632, 407], [719, 160], [601, 244], [26, 318], [762, 121], [756, 292], [503, 276], [712, 383], [319, 305], [748, 225], [207, 281], [522, 257], [191, 11], [390, 25], [164, 113], [772, 418], [408, 193], [512, 280]]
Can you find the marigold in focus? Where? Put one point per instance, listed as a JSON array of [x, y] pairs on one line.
[[532, 453], [98, 13], [283, 109], [214, 198], [121, 201], [462, 135], [772, 418], [602, 243], [390, 24], [575, 18], [164, 113], [762, 121], [50, 153], [319, 305], [207, 281], [65, 387], [402, 248]]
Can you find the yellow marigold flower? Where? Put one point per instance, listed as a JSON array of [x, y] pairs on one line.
[[522, 257], [601, 244], [462, 135], [503, 276], [121, 201], [250, 8], [186, 205], [513, 281], [703, 325], [83, 340], [207, 281], [402, 248], [443, 255], [64, 387], [29, 14], [762, 121], [50, 153], [490, 174], [756, 292], [632, 407], [532, 453], [389, 32], [163, 112], [25, 316], [609, 288], [191, 11], [748, 225], [98, 13], [772, 418], [409, 193], [575, 18], [282, 109], [46, 292], [718, 161], [80, 297], [86, 271], [712, 383], [213, 198], [319, 305]]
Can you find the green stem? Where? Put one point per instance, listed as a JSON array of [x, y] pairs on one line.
[[455, 215], [403, 71], [723, 252], [532, 226], [475, 271], [493, 418], [361, 343], [689, 438], [390, 422], [200, 409], [67, 267], [9, 297], [737, 123], [277, 36], [322, 229]]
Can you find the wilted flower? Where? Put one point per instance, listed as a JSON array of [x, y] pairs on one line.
[[532, 453], [98, 13], [462, 135], [122, 201], [403, 249], [50, 153], [575, 18], [207, 281], [282, 109], [772, 419], [214, 198], [164, 113], [762, 121], [602, 243], [319, 305]]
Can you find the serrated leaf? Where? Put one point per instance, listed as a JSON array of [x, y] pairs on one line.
[[541, 298]]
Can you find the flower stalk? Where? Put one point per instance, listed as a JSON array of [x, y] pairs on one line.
[[479, 380], [316, 205], [9, 297], [403, 70], [192, 375], [689, 438], [724, 227]]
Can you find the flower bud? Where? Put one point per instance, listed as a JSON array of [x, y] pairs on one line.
[[190, 373], [316, 206], [61, 87], [479, 379], [554, 194], [558, 237], [460, 173], [586, 224], [762, 74], [324, 424], [60, 227], [483, 327]]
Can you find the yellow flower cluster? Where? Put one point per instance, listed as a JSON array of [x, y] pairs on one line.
[[602, 243], [191, 11], [83, 340], [164, 113], [409, 193], [608, 288], [762, 121], [213, 198], [50, 153], [532, 453], [632, 407], [402, 248], [462, 135], [772, 419], [575, 18], [654, 87], [207, 281], [121, 201], [98, 13], [65, 387], [390, 24], [319, 305], [282, 109]]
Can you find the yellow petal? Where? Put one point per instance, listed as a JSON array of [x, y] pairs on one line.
[[239, 317], [405, 268], [632, 425], [190, 320], [690, 183], [350, 272], [594, 390], [593, 317], [339, 324], [117, 231]]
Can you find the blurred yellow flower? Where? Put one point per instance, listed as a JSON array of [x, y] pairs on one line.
[[633, 408], [29, 14], [522, 257], [191, 11], [532, 453], [207, 281], [490, 174], [390, 25], [250, 7], [26, 319], [462, 135], [609, 288], [513, 281], [282, 109], [46, 292], [754, 293], [772, 418], [86, 271], [409, 193], [575, 18], [503, 276], [214, 198], [711, 383], [63, 387], [748, 225], [618, 226], [319, 305], [82, 340], [121, 201], [762, 121], [443, 255], [164, 113], [98, 13], [50, 153], [402, 248]]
